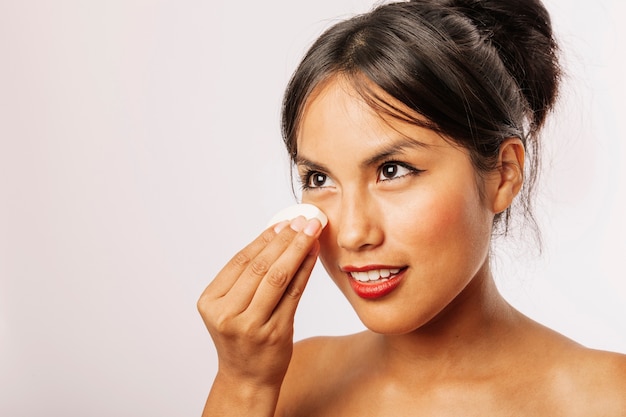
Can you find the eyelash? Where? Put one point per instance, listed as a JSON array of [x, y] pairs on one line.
[[412, 170], [307, 176]]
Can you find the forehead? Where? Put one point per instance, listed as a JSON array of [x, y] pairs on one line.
[[337, 115]]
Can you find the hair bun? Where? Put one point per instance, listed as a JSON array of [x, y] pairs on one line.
[[521, 32]]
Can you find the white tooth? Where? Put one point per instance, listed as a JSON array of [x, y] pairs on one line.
[[394, 271], [361, 276], [384, 273], [373, 274]]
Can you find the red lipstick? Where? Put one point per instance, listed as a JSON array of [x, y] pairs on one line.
[[383, 280]]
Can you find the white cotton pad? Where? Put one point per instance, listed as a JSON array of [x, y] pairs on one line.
[[309, 211]]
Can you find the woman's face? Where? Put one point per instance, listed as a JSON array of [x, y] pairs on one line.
[[408, 229]]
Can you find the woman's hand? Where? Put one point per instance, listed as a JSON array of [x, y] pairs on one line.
[[249, 311]]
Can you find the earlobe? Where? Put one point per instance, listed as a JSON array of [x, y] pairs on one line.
[[510, 173]]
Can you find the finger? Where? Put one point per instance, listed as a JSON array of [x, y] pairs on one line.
[[291, 298], [272, 288], [229, 274], [244, 289]]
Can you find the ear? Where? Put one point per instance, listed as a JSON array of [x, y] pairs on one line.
[[508, 177]]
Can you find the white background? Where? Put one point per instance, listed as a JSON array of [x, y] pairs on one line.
[[140, 148]]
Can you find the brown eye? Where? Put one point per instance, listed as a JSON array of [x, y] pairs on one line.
[[318, 180], [391, 171]]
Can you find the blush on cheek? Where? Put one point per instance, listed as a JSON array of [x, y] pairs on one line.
[[437, 220]]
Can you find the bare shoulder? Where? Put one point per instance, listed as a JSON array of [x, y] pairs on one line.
[[597, 379], [606, 366], [565, 378], [322, 345], [316, 371], [323, 356], [583, 381]]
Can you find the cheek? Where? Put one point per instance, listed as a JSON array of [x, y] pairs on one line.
[[441, 221]]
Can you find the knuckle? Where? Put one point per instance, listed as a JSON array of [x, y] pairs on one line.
[[278, 278], [205, 305], [301, 243], [241, 259], [201, 304], [250, 331], [251, 334], [259, 267], [223, 324], [218, 323], [294, 291], [285, 238], [267, 236]]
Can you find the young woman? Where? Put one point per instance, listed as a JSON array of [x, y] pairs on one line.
[[415, 129]]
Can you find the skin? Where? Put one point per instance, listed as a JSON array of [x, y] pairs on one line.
[[443, 342]]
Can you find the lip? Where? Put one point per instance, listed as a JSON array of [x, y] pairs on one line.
[[350, 268], [374, 289]]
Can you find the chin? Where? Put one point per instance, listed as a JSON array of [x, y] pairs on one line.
[[389, 319], [389, 328]]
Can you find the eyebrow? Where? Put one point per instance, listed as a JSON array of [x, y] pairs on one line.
[[382, 154], [394, 148]]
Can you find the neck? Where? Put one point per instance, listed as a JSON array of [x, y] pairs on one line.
[[471, 328]]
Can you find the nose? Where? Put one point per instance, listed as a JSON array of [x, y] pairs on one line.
[[359, 225]]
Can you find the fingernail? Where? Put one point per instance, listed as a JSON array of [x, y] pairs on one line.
[[298, 223], [312, 227], [280, 226]]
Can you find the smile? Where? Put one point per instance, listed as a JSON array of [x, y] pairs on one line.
[[374, 282], [374, 274]]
